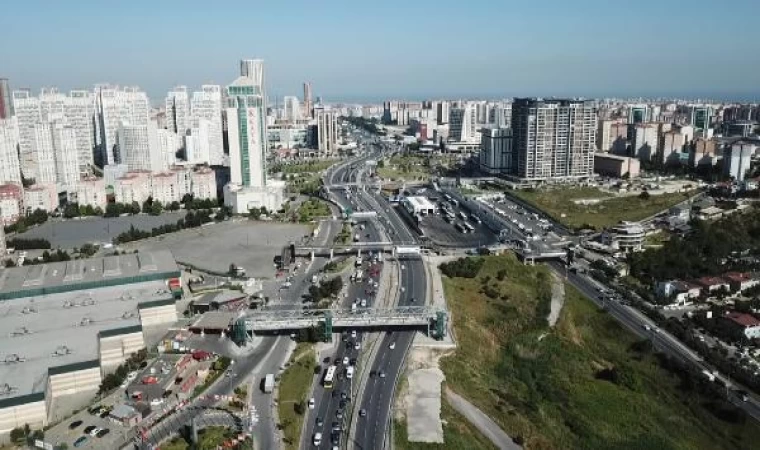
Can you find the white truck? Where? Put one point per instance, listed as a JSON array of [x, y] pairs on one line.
[[268, 383]]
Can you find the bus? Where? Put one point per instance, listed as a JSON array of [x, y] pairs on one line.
[[327, 381], [469, 227], [461, 228], [462, 215], [475, 219]]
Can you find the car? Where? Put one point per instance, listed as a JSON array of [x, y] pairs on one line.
[[94, 432], [381, 374], [352, 361], [412, 300], [339, 414], [335, 437], [89, 429], [80, 442], [319, 422], [353, 334], [358, 345], [345, 360], [362, 413], [102, 432], [326, 360], [317, 439], [342, 404], [75, 424], [392, 345], [312, 403], [336, 426]]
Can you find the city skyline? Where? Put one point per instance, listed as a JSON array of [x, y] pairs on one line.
[[579, 52]]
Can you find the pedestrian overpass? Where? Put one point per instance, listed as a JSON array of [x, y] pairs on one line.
[[328, 320], [357, 249]]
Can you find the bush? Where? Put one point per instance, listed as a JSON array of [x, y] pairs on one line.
[[29, 244], [462, 267]]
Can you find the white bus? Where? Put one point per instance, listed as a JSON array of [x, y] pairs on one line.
[[327, 381], [469, 227]]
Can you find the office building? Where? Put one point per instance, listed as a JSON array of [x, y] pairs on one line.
[[6, 105], [737, 158], [138, 147], [625, 237], [700, 117], [308, 106], [79, 113], [638, 114], [10, 168], [291, 109], [177, 106], [327, 130], [500, 115], [207, 104], [66, 157], [247, 136], [463, 124], [553, 139], [442, 112], [496, 156]]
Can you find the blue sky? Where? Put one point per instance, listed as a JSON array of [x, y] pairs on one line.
[[377, 49]]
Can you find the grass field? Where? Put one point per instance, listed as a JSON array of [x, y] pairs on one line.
[[294, 387], [458, 434], [409, 168], [544, 385], [609, 211], [311, 209]]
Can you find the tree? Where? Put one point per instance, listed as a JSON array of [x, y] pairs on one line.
[[135, 208], [156, 208], [254, 213], [644, 195], [71, 210], [18, 435], [173, 206], [147, 205]]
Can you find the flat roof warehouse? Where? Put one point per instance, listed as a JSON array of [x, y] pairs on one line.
[[53, 278], [54, 316]]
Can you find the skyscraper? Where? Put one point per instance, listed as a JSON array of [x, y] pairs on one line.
[[42, 169], [247, 131], [553, 139], [247, 134], [6, 107], [178, 110], [462, 123], [27, 113], [79, 111], [10, 170], [116, 106], [308, 106], [327, 130], [139, 147], [207, 104], [66, 157], [291, 109]]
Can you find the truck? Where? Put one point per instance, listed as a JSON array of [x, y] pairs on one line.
[[709, 375], [268, 383]]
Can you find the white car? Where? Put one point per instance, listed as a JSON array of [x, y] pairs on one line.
[[345, 360], [312, 403], [317, 439], [353, 334], [392, 345], [357, 346], [95, 431]]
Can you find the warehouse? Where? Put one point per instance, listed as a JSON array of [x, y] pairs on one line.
[[66, 324], [158, 312]]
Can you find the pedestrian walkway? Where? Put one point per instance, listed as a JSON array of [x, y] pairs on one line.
[[481, 421]]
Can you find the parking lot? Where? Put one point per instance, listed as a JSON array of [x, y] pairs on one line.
[[80, 430], [449, 230]]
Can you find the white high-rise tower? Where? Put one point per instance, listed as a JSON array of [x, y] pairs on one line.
[[66, 157], [207, 104], [178, 110], [10, 170]]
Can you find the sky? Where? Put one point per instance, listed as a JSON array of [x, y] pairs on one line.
[[372, 50]]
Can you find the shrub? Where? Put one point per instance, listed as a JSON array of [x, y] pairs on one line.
[[462, 267]]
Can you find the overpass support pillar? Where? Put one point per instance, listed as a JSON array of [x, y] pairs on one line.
[[312, 255], [358, 252], [332, 253], [393, 251]]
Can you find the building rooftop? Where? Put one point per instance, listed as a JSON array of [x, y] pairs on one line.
[[57, 333], [742, 319], [42, 279]]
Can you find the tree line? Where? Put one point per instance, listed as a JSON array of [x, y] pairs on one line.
[[192, 219]]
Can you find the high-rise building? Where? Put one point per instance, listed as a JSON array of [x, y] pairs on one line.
[[553, 139], [644, 141], [247, 130], [247, 135], [207, 104], [178, 110], [43, 169], [500, 115], [27, 113], [116, 106], [700, 117], [6, 106], [442, 112], [638, 114], [196, 143], [463, 124], [612, 136], [139, 148], [168, 143], [307, 103], [327, 130], [737, 158], [52, 104], [66, 157], [79, 113], [10, 169], [496, 156], [291, 109]]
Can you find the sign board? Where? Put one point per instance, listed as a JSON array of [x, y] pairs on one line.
[[408, 250]]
